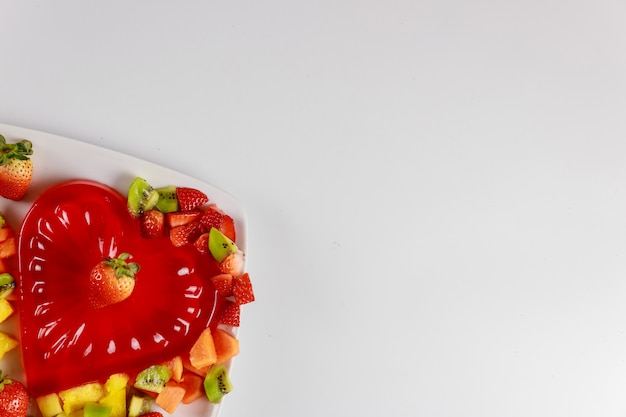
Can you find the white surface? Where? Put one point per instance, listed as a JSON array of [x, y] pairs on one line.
[[435, 190]]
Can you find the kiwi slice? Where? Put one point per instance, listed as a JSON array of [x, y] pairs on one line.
[[168, 200], [220, 245], [141, 196], [7, 284], [139, 405], [153, 379], [97, 410], [217, 383]]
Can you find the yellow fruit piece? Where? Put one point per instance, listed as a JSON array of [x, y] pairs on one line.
[[6, 309], [115, 397], [116, 382], [7, 343], [49, 405], [76, 398]]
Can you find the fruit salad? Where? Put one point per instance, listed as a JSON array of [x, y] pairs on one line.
[[127, 302]]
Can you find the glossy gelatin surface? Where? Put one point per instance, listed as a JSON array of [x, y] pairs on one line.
[[65, 341]]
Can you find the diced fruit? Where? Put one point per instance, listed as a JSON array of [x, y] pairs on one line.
[[152, 414], [116, 382], [168, 201], [6, 309], [189, 367], [141, 197], [97, 410], [115, 397], [217, 383], [112, 281], [14, 397], [202, 243], [76, 398], [152, 224], [7, 284], [139, 405], [186, 234], [223, 283], [7, 343], [233, 264], [202, 353], [5, 233], [49, 405], [220, 245], [8, 248], [212, 217], [176, 366], [153, 379], [16, 168], [192, 383], [226, 345], [242, 289], [190, 198], [228, 228], [170, 397], [181, 218], [231, 315]]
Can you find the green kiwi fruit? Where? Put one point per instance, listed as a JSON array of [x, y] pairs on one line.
[[168, 200], [139, 405], [217, 383], [7, 284], [97, 410], [153, 379], [220, 245], [141, 197]]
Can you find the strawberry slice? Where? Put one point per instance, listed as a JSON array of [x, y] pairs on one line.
[[242, 289], [181, 218], [202, 243], [152, 224], [214, 217], [233, 264], [231, 315], [190, 198], [228, 227], [188, 233], [223, 283]]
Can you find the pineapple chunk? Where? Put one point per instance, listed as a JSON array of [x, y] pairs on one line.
[[7, 343], [49, 405], [75, 398], [116, 382], [5, 309], [116, 400]]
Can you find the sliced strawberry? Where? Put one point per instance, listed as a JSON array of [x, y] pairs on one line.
[[231, 315], [212, 217], [152, 224], [202, 243], [180, 218], [242, 289], [233, 264], [152, 414], [190, 198], [187, 233], [228, 227], [223, 283]]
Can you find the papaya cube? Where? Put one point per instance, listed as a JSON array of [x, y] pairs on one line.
[[8, 248], [170, 397], [5, 233], [226, 345], [202, 353]]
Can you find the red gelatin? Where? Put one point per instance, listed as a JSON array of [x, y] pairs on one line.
[[65, 341]]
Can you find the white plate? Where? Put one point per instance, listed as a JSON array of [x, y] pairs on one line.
[[56, 159]]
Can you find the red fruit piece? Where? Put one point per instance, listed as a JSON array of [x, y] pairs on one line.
[[242, 289], [112, 281], [231, 315], [228, 228], [16, 169], [233, 264], [190, 198], [223, 283], [187, 233], [202, 243], [152, 224], [181, 218], [13, 398], [152, 414], [212, 217]]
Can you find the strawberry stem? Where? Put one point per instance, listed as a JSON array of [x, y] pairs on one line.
[[19, 150], [121, 267]]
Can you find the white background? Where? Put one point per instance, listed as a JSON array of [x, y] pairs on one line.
[[436, 190]]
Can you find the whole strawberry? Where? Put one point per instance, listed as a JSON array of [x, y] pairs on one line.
[[13, 398], [16, 169], [112, 281]]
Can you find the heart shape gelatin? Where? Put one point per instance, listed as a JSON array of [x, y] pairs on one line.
[[65, 341]]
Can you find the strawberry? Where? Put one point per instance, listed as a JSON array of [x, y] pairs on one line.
[[16, 168], [152, 414], [188, 233], [242, 289], [202, 243], [228, 227], [152, 224], [231, 315], [13, 398], [190, 198], [223, 283], [214, 217], [180, 218], [233, 264], [112, 280]]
